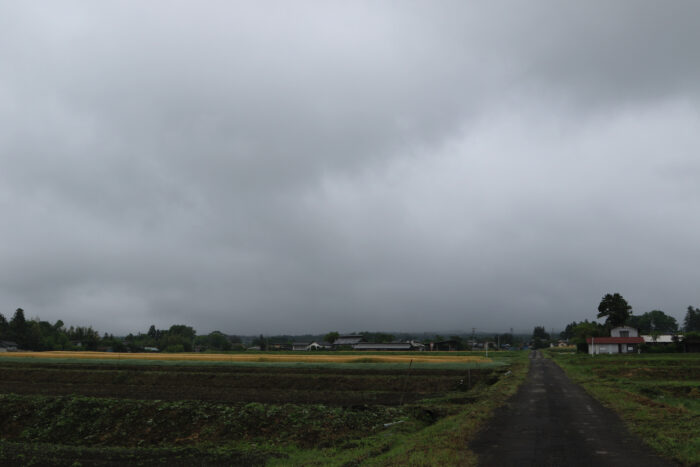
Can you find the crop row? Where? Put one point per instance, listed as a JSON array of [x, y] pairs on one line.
[[170, 383]]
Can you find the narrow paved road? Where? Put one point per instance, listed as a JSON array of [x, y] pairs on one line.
[[552, 421]]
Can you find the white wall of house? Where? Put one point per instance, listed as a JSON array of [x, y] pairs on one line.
[[595, 349], [602, 349], [624, 331]]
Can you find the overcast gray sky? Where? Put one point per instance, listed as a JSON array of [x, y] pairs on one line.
[[308, 166]]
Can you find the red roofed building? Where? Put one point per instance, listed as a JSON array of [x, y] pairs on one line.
[[623, 339]]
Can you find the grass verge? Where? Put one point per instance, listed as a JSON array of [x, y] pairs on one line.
[[657, 396]]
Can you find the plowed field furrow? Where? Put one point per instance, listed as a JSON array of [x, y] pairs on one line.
[[339, 387]]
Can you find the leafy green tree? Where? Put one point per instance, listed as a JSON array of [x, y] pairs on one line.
[[540, 337], [32, 336], [692, 319], [567, 333], [181, 330], [540, 332], [615, 309], [177, 337], [261, 342], [331, 337], [113, 343], [217, 340], [506, 338], [87, 337], [583, 330], [655, 320]]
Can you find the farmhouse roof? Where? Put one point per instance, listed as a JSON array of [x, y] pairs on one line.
[[348, 340], [615, 340]]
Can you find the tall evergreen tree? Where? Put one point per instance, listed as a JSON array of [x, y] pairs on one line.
[[692, 319], [18, 327], [615, 309]]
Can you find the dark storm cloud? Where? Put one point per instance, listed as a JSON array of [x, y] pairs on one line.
[[308, 166]]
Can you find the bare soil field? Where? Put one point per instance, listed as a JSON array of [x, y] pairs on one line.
[[56, 411], [260, 358], [333, 386]]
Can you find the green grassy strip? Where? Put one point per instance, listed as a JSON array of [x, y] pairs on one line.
[[665, 413]]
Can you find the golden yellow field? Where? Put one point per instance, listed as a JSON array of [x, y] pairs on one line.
[[272, 358]]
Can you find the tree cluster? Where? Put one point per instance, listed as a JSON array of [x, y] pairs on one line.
[[540, 337], [178, 338], [42, 335]]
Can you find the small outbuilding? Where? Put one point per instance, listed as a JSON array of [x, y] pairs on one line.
[[8, 346]]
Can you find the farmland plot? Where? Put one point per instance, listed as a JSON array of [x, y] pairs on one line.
[[112, 413]]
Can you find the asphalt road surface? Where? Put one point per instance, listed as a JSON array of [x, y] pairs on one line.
[[551, 421]]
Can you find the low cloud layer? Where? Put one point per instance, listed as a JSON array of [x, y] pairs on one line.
[[295, 167]]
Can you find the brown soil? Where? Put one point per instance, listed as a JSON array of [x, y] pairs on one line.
[[230, 384]]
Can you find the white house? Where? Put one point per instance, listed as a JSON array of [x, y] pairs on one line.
[[623, 339]]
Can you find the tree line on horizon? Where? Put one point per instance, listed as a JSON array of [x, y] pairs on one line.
[[42, 335], [38, 335]]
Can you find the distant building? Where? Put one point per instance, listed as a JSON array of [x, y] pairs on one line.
[[661, 339], [323, 345], [347, 341], [8, 346], [623, 339], [383, 346], [303, 346], [448, 345]]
